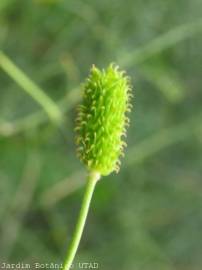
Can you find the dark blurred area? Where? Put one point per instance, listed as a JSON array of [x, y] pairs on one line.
[[147, 217]]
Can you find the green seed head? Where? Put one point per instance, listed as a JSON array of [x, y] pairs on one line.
[[102, 120]]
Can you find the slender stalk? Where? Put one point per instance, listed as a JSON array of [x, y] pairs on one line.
[[49, 106], [90, 186]]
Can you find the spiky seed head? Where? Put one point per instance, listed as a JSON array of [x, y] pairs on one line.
[[102, 120]]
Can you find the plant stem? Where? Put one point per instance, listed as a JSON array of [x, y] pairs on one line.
[[90, 186], [49, 106]]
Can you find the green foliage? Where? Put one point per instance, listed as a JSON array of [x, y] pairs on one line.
[[102, 120], [149, 215]]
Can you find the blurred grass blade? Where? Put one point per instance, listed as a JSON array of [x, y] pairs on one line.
[[157, 45], [137, 154], [62, 189], [19, 204], [164, 79], [38, 118], [162, 139], [162, 42], [31, 88]]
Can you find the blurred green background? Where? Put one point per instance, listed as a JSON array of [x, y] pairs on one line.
[[149, 216]]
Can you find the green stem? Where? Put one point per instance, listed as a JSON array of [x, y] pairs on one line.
[[90, 186], [49, 106]]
